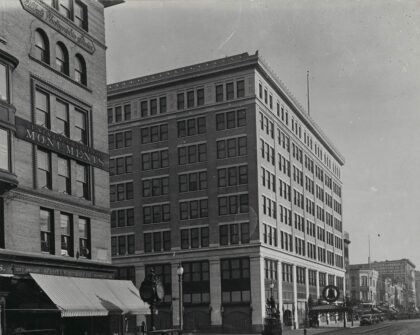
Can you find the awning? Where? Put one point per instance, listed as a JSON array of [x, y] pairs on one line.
[[6, 275], [76, 297]]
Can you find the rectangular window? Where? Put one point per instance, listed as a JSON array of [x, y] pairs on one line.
[[4, 150], [219, 93], [64, 7], [66, 227], [80, 15], [190, 99], [80, 123], [118, 114], [229, 91], [44, 169], [240, 88], [144, 108], [180, 101], [84, 237], [42, 109], [46, 220], [153, 107], [82, 181], [162, 105], [62, 118], [63, 175], [4, 83], [200, 97], [127, 112]]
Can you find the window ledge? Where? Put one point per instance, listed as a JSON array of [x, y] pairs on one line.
[[60, 73]]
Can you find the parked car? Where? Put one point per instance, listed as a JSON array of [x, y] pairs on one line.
[[367, 320]]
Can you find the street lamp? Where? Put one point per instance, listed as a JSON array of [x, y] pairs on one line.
[[271, 289], [180, 272]]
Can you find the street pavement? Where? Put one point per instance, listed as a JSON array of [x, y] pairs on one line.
[[401, 327]]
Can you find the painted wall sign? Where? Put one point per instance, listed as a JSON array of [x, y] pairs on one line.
[[45, 138], [54, 20]]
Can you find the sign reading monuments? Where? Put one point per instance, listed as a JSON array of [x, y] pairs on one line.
[[54, 20], [45, 138]]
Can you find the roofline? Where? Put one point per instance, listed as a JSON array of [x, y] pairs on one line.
[[109, 3], [220, 65], [387, 261]]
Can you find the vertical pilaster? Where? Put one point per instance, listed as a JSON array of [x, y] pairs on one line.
[[280, 288], [317, 285], [257, 290], [215, 294], [175, 295], [307, 283], [295, 312]]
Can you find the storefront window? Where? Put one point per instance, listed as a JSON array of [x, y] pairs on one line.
[[4, 150]]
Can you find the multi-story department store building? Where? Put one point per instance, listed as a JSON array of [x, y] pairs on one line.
[[54, 201], [217, 167]]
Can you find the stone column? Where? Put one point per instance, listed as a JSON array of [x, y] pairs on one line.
[[257, 292], [175, 295], [295, 304], [215, 294], [140, 275], [317, 285], [280, 289]]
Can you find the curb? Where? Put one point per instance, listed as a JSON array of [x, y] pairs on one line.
[[371, 329]]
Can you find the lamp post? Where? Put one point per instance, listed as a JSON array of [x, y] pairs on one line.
[[180, 272], [271, 289]]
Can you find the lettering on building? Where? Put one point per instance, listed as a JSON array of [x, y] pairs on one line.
[[45, 138], [54, 20]]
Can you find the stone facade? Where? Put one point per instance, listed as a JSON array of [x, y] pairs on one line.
[[228, 175]]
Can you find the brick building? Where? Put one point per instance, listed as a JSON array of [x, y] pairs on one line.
[[401, 272], [54, 203], [215, 166], [363, 284]]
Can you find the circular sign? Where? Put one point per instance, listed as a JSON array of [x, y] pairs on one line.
[[331, 293]]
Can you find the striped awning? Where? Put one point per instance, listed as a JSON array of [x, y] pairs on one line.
[[78, 297]]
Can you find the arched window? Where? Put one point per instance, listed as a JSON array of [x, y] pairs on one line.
[[42, 50], [80, 70], [62, 58]]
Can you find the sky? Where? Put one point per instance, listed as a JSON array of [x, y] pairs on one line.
[[364, 63]]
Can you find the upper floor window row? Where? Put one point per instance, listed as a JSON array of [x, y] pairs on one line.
[[153, 134], [153, 106], [52, 112], [119, 113], [191, 127], [74, 10], [231, 119], [42, 52], [227, 90], [120, 140], [191, 98]]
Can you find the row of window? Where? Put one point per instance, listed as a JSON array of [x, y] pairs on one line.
[[154, 134], [193, 238], [120, 165], [47, 231], [81, 187], [232, 176], [62, 59], [226, 91], [231, 119], [119, 113], [74, 10], [153, 106], [232, 147], [191, 127], [121, 191], [120, 140], [193, 97], [122, 245], [234, 233]]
